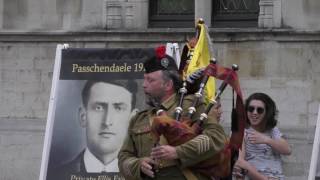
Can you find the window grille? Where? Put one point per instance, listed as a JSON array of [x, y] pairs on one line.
[[235, 13], [171, 13]]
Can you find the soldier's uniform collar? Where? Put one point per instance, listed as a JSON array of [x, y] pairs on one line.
[[167, 104]]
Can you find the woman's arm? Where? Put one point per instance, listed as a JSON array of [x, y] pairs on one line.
[[237, 171], [280, 145], [246, 167], [250, 170], [242, 152]]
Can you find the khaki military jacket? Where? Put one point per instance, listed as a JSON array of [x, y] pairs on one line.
[[139, 142]]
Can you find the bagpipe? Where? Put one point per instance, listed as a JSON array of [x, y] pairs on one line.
[[179, 128], [182, 129]]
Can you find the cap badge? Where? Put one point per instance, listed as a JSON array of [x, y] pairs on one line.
[[165, 62]]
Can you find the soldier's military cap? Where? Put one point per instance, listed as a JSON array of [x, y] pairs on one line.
[[160, 61]]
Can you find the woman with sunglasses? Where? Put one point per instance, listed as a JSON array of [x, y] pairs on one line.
[[263, 142]]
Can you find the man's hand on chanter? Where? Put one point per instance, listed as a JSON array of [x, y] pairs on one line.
[[164, 152], [146, 166]]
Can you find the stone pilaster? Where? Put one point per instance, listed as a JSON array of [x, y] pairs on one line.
[[70, 13], [266, 16], [203, 9], [140, 13], [1, 14], [277, 13], [92, 14], [50, 18], [125, 14], [34, 14], [113, 14], [128, 15]]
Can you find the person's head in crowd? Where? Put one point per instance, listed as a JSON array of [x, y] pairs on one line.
[[105, 114], [161, 77], [261, 112]]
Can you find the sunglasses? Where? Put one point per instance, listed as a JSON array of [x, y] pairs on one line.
[[259, 110]]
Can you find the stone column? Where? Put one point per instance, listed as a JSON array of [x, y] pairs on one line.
[[266, 14], [203, 9]]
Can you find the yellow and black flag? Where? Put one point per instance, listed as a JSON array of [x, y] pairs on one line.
[[200, 58]]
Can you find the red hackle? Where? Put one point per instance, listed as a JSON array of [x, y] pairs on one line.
[[160, 52]]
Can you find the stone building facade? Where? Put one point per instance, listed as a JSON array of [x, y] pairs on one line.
[[279, 56]]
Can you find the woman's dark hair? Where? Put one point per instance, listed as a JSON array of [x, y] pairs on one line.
[[271, 109], [130, 85]]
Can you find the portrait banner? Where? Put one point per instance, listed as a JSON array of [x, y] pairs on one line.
[[93, 96]]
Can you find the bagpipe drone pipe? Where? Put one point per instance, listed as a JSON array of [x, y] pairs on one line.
[[182, 129]]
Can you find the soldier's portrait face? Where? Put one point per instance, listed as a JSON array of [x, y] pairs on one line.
[[106, 118]]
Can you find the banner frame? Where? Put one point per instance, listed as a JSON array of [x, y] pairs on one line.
[[51, 110], [315, 150]]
